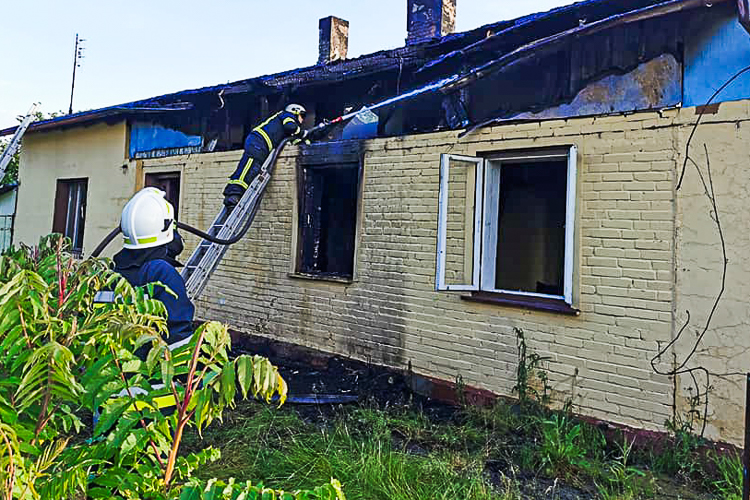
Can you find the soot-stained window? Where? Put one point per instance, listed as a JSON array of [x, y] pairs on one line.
[[328, 201]]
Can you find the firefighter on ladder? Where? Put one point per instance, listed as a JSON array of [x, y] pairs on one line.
[[259, 144]]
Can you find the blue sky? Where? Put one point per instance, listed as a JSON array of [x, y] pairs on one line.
[[143, 48]]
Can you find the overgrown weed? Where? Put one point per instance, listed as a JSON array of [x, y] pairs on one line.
[[729, 469], [680, 455], [562, 453], [532, 382], [621, 480]]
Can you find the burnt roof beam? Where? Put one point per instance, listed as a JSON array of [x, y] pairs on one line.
[[546, 45]]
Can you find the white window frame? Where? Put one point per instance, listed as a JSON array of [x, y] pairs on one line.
[[486, 202], [445, 160]]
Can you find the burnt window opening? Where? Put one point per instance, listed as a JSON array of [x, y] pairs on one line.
[[70, 211], [169, 182], [328, 219]]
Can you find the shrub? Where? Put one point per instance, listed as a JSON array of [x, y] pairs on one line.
[[62, 358]]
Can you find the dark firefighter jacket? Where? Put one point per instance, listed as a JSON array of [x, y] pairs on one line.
[[268, 134], [149, 265]]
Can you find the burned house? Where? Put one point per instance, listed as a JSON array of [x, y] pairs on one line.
[[559, 174]]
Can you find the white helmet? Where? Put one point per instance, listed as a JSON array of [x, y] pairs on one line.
[[296, 109], [147, 219]]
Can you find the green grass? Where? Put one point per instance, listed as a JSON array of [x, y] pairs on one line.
[[359, 449], [729, 471], [400, 454]]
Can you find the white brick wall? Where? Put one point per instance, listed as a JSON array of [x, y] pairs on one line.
[[390, 314]]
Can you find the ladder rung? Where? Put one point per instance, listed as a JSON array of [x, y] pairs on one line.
[[207, 256]]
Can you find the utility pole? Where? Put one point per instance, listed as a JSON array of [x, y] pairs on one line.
[[77, 56]]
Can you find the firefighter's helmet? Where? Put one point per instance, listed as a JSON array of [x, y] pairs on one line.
[[147, 219]]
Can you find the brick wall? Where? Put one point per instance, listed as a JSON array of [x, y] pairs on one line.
[[391, 314], [426, 19], [724, 349]]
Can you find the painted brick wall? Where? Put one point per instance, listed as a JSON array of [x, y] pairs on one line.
[[391, 314], [724, 349]]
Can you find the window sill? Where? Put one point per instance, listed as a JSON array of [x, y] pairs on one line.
[[321, 277], [557, 306]]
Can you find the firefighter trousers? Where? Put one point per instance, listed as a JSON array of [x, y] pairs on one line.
[[247, 169]]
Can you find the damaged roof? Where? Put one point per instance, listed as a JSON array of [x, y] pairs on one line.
[[425, 62]]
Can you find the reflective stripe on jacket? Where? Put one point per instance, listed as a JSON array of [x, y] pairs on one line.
[[273, 129]]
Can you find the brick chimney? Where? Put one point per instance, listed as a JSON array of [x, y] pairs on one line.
[[428, 19], [333, 39]]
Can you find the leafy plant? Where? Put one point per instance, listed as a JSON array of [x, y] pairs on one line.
[[561, 450], [532, 383], [62, 357], [730, 475], [680, 456], [215, 489], [621, 478]]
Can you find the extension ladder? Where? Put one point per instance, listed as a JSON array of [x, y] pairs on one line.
[[15, 142], [207, 255]]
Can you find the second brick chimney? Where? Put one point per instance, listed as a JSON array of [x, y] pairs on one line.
[[333, 39], [428, 19]]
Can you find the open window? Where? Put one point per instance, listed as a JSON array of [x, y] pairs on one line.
[[70, 211], [506, 224], [458, 264]]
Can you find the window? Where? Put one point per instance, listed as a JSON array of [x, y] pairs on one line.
[[168, 182], [70, 211], [328, 219], [6, 231], [506, 224]]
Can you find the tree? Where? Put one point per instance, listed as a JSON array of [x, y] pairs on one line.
[[63, 356], [11, 172]]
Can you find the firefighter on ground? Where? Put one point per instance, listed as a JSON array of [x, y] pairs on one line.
[[258, 145], [148, 256]]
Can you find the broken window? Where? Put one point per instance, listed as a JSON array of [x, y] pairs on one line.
[[328, 219], [70, 211], [506, 223], [169, 182]]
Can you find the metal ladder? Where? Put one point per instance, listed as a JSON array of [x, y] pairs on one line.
[[15, 142], [207, 256]]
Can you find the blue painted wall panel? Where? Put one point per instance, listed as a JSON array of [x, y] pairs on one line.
[[717, 47], [149, 137]]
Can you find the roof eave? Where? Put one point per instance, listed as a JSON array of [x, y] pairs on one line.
[[89, 116]]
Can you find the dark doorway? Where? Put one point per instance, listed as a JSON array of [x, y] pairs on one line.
[[169, 183]]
